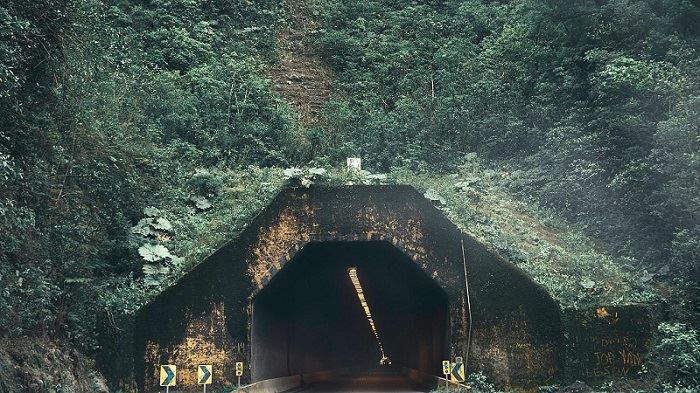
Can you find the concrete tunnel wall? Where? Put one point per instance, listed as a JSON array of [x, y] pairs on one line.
[[206, 317]]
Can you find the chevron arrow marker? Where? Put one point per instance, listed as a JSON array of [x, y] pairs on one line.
[[167, 375], [205, 375], [458, 372]]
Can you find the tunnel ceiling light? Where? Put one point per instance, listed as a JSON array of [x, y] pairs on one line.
[[352, 272]]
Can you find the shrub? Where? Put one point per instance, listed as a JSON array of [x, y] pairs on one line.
[[479, 383], [676, 357], [205, 183]]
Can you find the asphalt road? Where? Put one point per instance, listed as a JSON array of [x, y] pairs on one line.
[[372, 381]]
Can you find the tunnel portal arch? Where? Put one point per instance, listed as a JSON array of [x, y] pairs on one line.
[[209, 317]]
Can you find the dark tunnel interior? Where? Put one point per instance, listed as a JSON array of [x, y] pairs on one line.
[[309, 318]]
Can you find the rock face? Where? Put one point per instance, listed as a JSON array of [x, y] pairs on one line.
[[263, 295], [299, 76], [39, 365]]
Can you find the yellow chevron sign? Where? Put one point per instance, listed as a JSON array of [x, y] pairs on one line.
[[204, 374], [168, 375], [457, 374]]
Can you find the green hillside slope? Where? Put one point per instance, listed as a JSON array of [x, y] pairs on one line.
[[136, 136]]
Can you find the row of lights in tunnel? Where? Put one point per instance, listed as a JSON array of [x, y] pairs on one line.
[[352, 272]]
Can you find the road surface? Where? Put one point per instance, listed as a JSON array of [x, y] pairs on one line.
[[373, 381]]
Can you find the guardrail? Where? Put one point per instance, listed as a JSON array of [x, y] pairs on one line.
[[275, 385], [284, 384], [433, 381]]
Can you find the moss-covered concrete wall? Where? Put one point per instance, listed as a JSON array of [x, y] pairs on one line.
[[517, 336], [608, 341]]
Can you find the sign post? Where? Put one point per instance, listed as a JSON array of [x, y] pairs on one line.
[[239, 372], [168, 376], [446, 371], [204, 375]]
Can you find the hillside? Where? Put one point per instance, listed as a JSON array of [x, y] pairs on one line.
[[136, 137]]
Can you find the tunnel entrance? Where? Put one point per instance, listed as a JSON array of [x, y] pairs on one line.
[[279, 298], [308, 318]]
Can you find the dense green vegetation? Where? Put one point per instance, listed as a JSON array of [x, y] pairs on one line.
[[108, 107], [137, 135], [590, 107]]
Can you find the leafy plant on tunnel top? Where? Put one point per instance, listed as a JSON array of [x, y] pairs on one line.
[[154, 252]]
